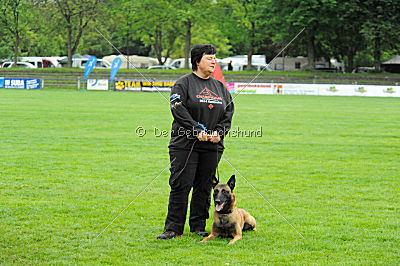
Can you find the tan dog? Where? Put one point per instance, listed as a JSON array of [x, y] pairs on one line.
[[229, 221]]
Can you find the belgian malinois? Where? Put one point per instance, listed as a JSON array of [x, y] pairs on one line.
[[229, 221]]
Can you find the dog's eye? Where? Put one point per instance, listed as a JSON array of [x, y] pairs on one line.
[[216, 191], [224, 191]]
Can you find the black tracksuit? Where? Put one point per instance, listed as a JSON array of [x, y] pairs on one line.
[[196, 104]]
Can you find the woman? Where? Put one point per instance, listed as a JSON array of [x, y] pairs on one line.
[[202, 109]]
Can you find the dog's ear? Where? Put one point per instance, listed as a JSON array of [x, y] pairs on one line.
[[231, 182], [214, 181]]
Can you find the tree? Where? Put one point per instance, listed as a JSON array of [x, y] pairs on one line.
[[346, 39], [316, 16], [381, 26], [157, 28], [76, 15], [244, 24], [11, 16], [190, 13], [44, 35], [250, 19], [121, 26]]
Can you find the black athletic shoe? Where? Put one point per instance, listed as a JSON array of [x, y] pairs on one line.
[[168, 235], [201, 233]]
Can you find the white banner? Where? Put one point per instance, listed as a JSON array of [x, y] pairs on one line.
[[97, 84], [318, 89]]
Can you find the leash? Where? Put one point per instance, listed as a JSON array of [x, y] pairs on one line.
[[217, 164], [191, 150], [187, 159]]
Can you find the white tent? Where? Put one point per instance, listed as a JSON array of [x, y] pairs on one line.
[[395, 60], [392, 65]]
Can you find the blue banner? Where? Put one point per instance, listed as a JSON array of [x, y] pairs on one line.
[[114, 68], [91, 62], [1, 83], [29, 84]]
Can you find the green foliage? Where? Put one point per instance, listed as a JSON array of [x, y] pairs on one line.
[[5, 44], [351, 31], [381, 26], [14, 18]]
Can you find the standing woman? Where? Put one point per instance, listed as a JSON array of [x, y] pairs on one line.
[[202, 109]]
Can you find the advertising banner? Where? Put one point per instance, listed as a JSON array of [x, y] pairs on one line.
[[91, 62], [141, 85], [317, 89], [230, 86], [254, 88], [97, 84], [1, 83], [114, 68], [29, 84]]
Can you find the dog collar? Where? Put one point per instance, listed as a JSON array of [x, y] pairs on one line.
[[227, 212]]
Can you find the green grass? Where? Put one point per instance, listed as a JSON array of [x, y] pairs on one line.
[[70, 162]]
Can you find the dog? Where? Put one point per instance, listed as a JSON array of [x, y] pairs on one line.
[[229, 221]]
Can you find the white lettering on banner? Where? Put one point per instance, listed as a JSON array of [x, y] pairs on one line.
[[17, 83], [21, 84], [317, 89], [31, 84]]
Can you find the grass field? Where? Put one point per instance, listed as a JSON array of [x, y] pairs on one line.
[[71, 162]]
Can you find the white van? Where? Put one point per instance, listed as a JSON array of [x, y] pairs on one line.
[[81, 63], [19, 64], [239, 62], [42, 62], [179, 63]]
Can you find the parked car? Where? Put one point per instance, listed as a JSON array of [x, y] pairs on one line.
[[42, 62], [363, 70], [180, 63], [81, 63], [19, 64], [161, 67]]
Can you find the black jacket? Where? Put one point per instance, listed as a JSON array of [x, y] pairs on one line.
[[198, 104]]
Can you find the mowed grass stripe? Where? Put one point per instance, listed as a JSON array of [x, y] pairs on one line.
[[70, 161]]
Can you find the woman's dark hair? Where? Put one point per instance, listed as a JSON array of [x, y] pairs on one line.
[[198, 51]]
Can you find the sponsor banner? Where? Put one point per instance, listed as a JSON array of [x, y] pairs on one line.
[[271, 88], [231, 87], [29, 84], [254, 88], [1, 83], [318, 89], [114, 68], [336, 90], [91, 62], [294, 89], [142, 85], [97, 84]]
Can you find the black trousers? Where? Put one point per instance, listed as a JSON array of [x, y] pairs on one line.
[[197, 174]]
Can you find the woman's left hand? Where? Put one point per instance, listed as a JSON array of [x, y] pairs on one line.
[[214, 137]]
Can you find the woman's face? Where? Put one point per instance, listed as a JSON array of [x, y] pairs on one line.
[[207, 64]]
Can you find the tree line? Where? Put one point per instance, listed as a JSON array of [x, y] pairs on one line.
[[357, 32]]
